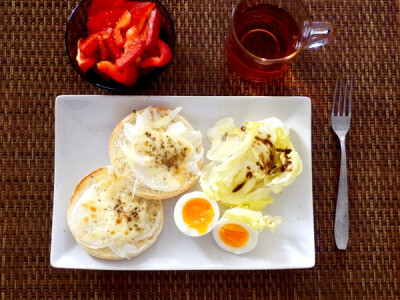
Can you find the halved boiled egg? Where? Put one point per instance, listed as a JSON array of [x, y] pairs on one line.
[[234, 236], [195, 214], [237, 231]]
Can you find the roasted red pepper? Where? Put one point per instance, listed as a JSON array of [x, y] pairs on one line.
[[89, 45], [133, 48], [126, 75], [140, 13], [151, 31], [158, 61], [105, 19], [98, 5], [123, 40], [85, 62], [122, 23], [130, 5], [103, 48], [94, 43], [115, 51]]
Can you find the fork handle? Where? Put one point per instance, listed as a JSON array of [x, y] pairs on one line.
[[342, 208]]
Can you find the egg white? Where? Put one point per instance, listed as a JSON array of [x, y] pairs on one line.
[[180, 223], [250, 245]]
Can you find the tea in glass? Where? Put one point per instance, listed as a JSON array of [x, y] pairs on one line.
[[265, 36], [267, 31]]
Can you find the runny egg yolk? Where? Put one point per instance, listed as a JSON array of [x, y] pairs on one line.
[[198, 213], [234, 235]]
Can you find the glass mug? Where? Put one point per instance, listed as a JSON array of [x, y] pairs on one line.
[[266, 35]]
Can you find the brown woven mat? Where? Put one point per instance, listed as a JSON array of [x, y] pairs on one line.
[[35, 69]]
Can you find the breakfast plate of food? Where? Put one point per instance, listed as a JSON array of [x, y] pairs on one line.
[[182, 183]]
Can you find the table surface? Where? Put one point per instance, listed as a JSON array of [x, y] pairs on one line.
[[35, 69]]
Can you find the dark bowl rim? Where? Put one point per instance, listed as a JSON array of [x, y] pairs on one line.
[[122, 88]]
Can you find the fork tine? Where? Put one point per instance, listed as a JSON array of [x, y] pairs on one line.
[[334, 98], [340, 98], [343, 112], [351, 93]]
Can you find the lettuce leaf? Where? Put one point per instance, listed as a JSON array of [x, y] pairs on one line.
[[254, 219], [250, 163]]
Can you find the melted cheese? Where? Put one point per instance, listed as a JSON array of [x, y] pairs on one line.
[[161, 151], [106, 216]]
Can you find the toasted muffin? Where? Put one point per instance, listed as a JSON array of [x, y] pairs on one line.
[[157, 153], [108, 222]]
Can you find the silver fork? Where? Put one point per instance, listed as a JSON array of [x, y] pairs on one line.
[[340, 118]]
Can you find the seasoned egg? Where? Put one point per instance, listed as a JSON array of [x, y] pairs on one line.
[[195, 214], [234, 236]]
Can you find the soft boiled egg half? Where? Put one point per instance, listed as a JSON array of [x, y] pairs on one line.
[[195, 214], [237, 231], [234, 236]]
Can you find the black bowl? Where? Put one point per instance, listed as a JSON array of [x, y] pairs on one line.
[[76, 29]]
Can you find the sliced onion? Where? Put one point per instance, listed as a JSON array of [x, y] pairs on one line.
[[118, 251], [134, 187], [167, 119], [91, 246]]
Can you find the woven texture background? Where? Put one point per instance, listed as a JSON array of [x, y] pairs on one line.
[[35, 69]]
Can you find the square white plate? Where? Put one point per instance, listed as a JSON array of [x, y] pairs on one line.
[[83, 128]]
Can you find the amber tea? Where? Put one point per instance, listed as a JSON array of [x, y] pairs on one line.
[[267, 32], [266, 35]]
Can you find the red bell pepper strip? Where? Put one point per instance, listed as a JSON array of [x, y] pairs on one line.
[[99, 5], [133, 48], [130, 5], [151, 31], [85, 62], [105, 19], [90, 45], [131, 53], [115, 51], [123, 22], [158, 61], [140, 13], [126, 75], [103, 50], [124, 40], [103, 36], [132, 34], [94, 43], [151, 52]]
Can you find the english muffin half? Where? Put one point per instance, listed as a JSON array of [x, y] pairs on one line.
[[157, 153], [108, 222]]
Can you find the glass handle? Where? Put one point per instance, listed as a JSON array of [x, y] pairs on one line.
[[321, 34]]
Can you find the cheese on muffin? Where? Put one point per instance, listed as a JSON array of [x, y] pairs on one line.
[[157, 151], [103, 214]]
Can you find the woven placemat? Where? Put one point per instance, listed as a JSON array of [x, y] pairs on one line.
[[35, 69]]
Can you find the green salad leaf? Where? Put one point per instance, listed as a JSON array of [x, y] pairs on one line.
[[255, 219], [250, 163]]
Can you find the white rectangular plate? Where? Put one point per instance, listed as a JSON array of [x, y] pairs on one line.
[[83, 128]]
